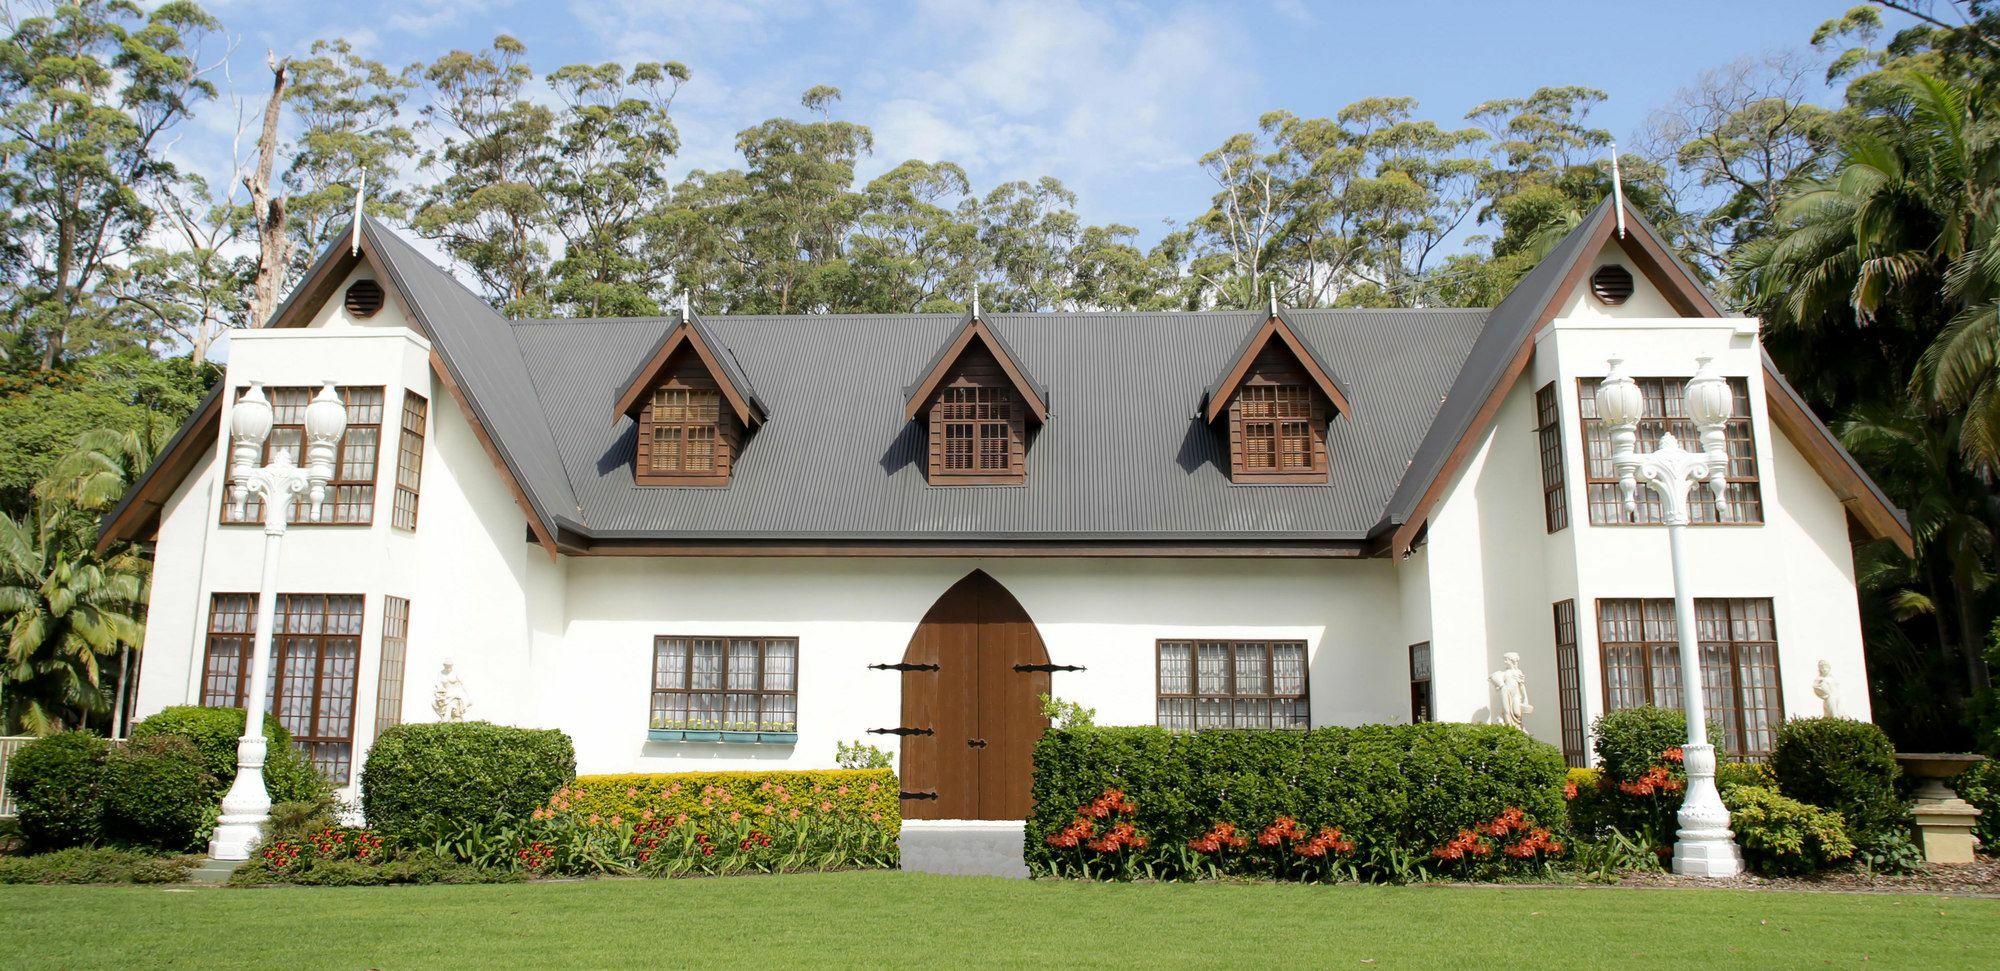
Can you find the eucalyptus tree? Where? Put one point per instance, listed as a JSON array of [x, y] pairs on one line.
[[487, 207], [89, 94], [608, 180], [351, 130]]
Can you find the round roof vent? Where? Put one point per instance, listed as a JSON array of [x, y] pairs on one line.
[[364, 298], [1611, 284]]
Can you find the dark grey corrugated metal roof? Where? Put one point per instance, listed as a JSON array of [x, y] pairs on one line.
[[478, 349], [1124, 456]]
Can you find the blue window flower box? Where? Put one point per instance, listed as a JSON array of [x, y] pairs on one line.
[[684, 735]]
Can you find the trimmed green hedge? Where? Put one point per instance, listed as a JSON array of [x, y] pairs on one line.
[[1843, 765], [55, 783], [288, 776], [157, 792], [1397, 792], [425, 781]]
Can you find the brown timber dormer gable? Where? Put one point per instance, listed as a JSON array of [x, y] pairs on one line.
[[693, 409], [975, 403], [1277, 398]]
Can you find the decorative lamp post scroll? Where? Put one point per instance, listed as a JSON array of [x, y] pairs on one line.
[[247, 805], [1704, 846]]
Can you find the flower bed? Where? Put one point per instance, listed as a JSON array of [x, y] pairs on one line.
[[1384, 802], [718, 799]]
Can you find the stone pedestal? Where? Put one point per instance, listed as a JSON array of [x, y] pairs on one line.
[[1944, 828], [1944, 821]]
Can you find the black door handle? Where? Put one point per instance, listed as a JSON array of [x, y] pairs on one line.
[[975, 743]]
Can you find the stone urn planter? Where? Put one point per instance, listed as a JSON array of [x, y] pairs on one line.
[[1944, 821]]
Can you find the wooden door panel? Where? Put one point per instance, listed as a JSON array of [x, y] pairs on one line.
[[984, 715]]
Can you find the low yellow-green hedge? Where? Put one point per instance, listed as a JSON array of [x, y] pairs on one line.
[[707, 798]]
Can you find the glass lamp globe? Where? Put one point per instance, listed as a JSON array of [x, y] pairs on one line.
[[250, 420], [1709, 400], [326, 417], [1619, 401]]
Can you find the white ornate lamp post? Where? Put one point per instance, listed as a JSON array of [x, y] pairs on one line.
[[247, 806], [1704, 846]]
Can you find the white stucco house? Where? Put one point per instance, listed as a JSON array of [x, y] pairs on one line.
[[735, 541]]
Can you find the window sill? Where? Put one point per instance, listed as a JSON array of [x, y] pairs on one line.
[[683, 735]]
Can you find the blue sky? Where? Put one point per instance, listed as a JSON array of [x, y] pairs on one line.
[[1116, 99]]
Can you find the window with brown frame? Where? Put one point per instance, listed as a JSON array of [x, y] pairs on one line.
[[1739, 664], [1232, 684], [1423, 701], [1664, 412], [315, 666], [351, 494], [1548, 435], [1277, 422], [688, 435], [395, 650], [1569, 685], [977, 431], [409, 461], [736, 684]]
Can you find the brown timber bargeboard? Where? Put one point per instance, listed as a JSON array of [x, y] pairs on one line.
[[926, 388], [985, 716]]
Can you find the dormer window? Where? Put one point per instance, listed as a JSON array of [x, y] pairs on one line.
[[974, 403], [977, 430], [685, 434], [1278, 398], [1281, 431], [693, 409]]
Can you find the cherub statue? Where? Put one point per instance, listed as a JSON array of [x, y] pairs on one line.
[[1512, 683], [449, 700]]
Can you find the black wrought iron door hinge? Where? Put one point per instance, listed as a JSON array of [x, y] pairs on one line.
[[903, 666], [901, 731], [1048, 667]]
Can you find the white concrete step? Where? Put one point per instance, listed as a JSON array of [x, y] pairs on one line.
[[965, 847]]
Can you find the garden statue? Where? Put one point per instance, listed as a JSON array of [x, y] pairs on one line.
[[1512, 683], [449, 700], [1827, 689]]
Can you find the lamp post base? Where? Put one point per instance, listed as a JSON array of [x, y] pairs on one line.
[[1710, 858], [235, 836], [1704, 846]]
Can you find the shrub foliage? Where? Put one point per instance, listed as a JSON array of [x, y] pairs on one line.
[[1395, 794], [711, 799], [95, 865], [1782, 836], [157, 792], [55, 781], [424, 780], [1843, 765], [288, 775]]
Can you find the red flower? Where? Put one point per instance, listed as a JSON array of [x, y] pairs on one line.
[[1569, 790]]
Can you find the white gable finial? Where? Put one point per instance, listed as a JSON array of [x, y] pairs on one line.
[[1274, 300], [687, 303], [360, 191], [1617, 191], [975, 301]]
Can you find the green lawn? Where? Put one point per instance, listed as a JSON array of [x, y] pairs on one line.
[[911, 920]]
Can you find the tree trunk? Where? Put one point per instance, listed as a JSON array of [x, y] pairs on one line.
[[274, 248]]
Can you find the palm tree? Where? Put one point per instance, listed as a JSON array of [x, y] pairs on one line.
[[1897, 250], [64, 609]]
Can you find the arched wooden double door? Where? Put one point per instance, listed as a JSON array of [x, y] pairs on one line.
[[972, 678]]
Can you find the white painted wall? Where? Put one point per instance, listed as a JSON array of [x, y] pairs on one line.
[[849, 613], [1491, 559], [568, 643]]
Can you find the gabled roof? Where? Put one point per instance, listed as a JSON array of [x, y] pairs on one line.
[[1505, 347], [473, 354], [1129, 471], [719, 360], [972, 328], [1275, 327]]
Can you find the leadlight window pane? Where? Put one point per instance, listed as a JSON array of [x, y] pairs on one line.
[[315, 668], [683, 437], [726, 684], [1231, 684], [1176, 668], [395, 647], [1548, 436], [1664, 412], [1738, 648], [351, 493]]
